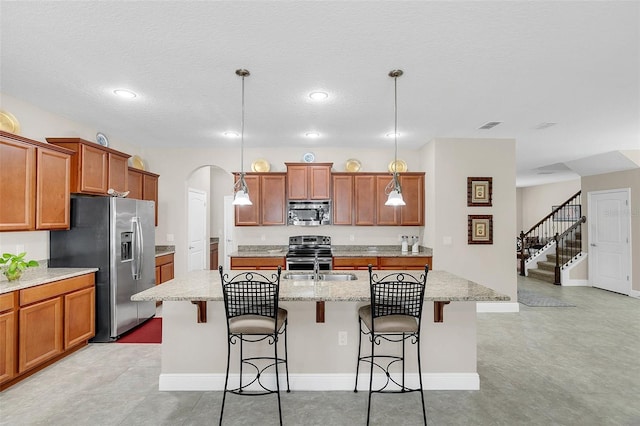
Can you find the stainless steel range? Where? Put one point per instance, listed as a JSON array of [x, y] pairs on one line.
[[307, 251]]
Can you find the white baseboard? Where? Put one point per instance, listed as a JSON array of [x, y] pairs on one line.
[[574, 283], [497, 307], [319, 382], [635, 293]]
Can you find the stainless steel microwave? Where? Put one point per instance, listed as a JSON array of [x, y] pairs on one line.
[[309, 213]]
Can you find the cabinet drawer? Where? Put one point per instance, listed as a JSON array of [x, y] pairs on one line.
[[7, 302], [257, 262], [412, 262], [355, 262], [46, 291], [164, 259]]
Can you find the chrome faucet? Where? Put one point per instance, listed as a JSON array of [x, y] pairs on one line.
[[316, 268]]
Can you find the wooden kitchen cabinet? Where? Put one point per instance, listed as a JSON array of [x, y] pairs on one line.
[[40, 335], [34, 184], [79, 309], [213, 256], [267, 192], [364, 201], [143, 185], [309, 181], [94, 168], [354, 263], [164, 268], [385, 215], [8, 333], [412, 214], [404, 262], [258, 262], [342, 191]]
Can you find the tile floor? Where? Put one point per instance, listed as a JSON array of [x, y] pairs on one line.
[[542, 366]]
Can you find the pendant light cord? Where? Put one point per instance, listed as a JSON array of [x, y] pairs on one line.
[[242, 133], [395, 130]]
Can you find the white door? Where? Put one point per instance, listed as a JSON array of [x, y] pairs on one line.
[[197, 230], [610, 240], [229, 245]]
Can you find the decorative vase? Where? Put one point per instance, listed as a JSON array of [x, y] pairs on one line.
[[12, 276]]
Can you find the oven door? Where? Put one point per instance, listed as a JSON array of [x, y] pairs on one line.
[[306, 263]]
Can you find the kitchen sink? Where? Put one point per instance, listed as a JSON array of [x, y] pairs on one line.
[[321, 277]]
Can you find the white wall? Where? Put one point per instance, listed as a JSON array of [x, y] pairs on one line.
[[537, 201], [452, 161]]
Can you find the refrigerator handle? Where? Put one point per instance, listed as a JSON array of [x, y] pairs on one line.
[[138, 249]]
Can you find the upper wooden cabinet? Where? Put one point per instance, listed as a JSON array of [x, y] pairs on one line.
[[94, 168], [34, 184], [358, 199], [268, 195], [309, 181], [143, 185]]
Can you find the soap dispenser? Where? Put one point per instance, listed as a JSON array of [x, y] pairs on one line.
[[405, 244], [414, 246]]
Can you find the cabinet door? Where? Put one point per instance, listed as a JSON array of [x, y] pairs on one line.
[[272, 199], [158, 276], [319, 182], [166, 272], [134, 184], [94, 170], [150, 191], [40, 335], [385, 215], [53, 189], [7, 346], [17, 186], [342, 200], [118, 172], [249, 215], [79, 316], [364, 190], [213, 254], [297, 184], [412, 214]]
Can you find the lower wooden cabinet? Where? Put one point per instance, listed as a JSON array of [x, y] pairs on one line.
[[382, 262], [41, 324], [164, 268], [258, 262], [40, 335], [213, 256]]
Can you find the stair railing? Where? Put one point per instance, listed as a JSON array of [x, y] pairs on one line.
[[542, 233], [564, 249]]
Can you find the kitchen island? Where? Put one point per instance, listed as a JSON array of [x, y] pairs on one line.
[[194, 331]]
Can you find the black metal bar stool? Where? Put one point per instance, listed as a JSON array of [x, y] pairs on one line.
[[253, 315], [394, 315]]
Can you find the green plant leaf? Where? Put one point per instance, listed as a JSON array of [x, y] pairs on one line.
[[32, 263]]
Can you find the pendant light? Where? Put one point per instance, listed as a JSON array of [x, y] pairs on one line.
[[241, 197], [393, 189]]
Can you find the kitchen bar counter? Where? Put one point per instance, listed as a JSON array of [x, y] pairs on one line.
[[338, 251], [205, 286], [32, 277], [322, 348]]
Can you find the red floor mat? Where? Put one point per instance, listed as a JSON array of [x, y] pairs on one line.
[[149, 332]]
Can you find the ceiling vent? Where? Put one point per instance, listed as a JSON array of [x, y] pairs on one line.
[[542, 126], [489, 125]]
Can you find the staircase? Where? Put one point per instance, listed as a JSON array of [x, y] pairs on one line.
[[546, 268]]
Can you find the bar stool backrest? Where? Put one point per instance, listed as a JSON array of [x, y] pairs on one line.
[[251, 293], [397, 294]]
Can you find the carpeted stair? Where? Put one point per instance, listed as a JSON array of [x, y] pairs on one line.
[[545, 269]]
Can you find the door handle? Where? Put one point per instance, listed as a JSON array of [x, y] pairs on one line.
[[592, 245], [190, 247]]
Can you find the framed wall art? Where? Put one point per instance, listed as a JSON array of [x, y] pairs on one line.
[[480, 229], [479, 191]]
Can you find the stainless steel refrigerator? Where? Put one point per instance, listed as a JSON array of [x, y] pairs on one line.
[[117, 236]]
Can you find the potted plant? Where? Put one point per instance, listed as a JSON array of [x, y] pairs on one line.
[[13, 265]]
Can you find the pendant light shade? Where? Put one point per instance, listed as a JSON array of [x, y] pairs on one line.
[[393, 189], [241, 197]]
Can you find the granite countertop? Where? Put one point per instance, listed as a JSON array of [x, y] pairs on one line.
[[338, 251], [205, 286], [37, 276], [162, 250]]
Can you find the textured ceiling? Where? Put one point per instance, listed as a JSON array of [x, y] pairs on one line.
[[466, 63]]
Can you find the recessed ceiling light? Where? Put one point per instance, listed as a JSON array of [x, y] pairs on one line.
[[318, 96], [231, 134], [390, 135], [312, 134], [542, 126], [124, 93]]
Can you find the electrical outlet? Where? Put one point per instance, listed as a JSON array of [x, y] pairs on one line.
[[352, 237], [263, 237], [342, 338]]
